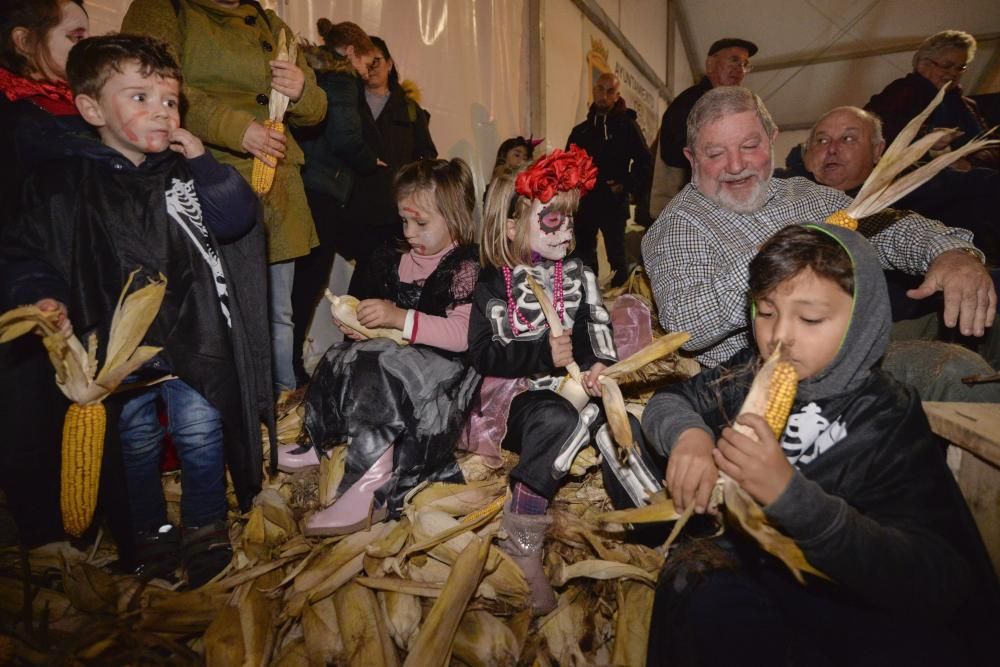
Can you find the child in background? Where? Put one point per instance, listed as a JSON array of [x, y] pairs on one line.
[[528, 231], [399, 408], [857, 480], [148, 197], [514, 153]]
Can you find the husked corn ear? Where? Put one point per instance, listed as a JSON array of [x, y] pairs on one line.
[[842, 219], [82, 449], [263, 174], [780, 396]]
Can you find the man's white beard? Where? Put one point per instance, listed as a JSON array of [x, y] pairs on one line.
[[751, 204]]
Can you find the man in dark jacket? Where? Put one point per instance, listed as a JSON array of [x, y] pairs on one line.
[[727, 64], [614, 140]]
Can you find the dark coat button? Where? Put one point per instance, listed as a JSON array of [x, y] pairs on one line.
[[267, 46], [250, 20], [262, 99]]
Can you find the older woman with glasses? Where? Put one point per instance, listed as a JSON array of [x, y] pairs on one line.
[[942, 58]]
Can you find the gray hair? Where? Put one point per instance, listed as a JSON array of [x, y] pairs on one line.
[[944, 41], [725, 101], [875, 121]]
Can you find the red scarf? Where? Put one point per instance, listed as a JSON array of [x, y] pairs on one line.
[[53, 96]]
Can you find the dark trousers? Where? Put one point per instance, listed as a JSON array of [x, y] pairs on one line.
[[762, 616], [538, 424], [586, 223]]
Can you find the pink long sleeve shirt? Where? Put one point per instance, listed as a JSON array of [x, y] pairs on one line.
[[450, 332]]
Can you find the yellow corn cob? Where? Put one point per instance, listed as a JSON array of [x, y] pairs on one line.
[[842, 219], [82, 449], [263, 174], [780, 396]]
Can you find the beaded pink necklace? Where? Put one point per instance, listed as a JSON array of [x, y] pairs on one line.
[[558, 297]]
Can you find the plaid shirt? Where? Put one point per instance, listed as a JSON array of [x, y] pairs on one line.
[[698, 254]]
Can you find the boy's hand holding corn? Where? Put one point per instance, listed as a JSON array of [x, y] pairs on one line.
[[62, 320], [759, 467], [590, 382], [691, 471]]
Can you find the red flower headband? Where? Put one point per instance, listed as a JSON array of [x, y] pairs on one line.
[[560, 171]]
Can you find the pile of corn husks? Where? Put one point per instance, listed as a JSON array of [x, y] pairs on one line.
[[432, 588]]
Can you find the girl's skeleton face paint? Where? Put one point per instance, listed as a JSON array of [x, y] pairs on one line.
[[551, 231]]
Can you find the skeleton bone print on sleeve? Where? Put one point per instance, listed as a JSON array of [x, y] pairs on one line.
[[184, 209], [809, 434]]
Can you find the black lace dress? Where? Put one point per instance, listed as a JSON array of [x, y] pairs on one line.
[[375, 393]]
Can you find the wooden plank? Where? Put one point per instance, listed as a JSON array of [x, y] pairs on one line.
[[980, 484], [974, 427]]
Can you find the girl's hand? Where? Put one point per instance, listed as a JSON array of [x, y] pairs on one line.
[[186, 143], [691, 471], [348, 331], [62, 319], [590, 382], [287, 78], [375, 313], [263, 143], [759, 467], [562, 349]]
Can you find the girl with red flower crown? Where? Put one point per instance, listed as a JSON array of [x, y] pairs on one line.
[[527, 232]]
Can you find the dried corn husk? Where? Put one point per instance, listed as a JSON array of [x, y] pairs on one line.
[[344, 310], [635, 608], [366, 640], [402, 613], [321, 630], [331, 472], [483, 640], [600, 569], [740, 507], [555, 324], [224, 639], [433, 644]]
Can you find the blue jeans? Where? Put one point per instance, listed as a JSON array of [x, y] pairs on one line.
[[196, 429], [281, 277]]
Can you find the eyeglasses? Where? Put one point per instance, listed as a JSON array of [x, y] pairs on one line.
[[948, 67], [745, 65], [376, 61]]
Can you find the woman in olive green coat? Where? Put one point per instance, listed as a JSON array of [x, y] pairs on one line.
[[226, 48]]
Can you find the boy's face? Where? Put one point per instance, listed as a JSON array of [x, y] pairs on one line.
[[551, 231], [809, 315], [134, 114]]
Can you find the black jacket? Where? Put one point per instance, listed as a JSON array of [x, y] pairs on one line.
[[399, 135], [673, 127], [878, 511], [335, 149], [86, 222], [615, 142]]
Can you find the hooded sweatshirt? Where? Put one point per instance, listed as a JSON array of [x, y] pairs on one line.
[[872, 503]]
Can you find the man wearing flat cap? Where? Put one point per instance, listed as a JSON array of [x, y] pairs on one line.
[[727, 63]]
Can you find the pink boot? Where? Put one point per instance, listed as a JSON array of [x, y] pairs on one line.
[[524, 542], [296, 458], [354, 510]]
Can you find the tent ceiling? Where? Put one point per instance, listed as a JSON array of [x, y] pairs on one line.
[[793, 35]]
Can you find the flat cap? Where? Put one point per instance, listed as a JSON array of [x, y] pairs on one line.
[[728, 42]]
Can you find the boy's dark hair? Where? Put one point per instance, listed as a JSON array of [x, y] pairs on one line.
[[94, 60], [794, 249], [38, 17]]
